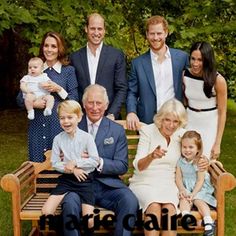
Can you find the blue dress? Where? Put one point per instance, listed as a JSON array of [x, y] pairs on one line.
[[189, 175], [43, 129]]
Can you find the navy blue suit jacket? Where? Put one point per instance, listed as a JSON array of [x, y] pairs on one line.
[[111, 74], [141, 97], [112, 147]]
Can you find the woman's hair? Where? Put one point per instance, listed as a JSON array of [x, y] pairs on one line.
[[62, 57], [70, 106], [154, 20], [98, 88], [172, 106], [209, 65], [191, 134]]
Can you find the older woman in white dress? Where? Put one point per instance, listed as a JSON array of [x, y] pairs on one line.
[[153, 181]]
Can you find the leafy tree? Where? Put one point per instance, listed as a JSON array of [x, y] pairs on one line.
[[24, 22]]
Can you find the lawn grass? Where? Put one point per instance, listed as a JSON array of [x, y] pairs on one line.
[[13, 151]]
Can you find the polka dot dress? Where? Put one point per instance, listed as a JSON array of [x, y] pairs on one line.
[[43, 129]]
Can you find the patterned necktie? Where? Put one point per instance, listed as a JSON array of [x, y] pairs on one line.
[[92, 130]]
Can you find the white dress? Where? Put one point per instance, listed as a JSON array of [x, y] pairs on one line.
[[157, 182], [204, 122]]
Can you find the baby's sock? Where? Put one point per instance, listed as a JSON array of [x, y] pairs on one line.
[[31, 114], [47, 111], [208, 220]]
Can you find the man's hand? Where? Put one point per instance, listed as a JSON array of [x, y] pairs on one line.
[[111, 116], [132, 121], [80, 174]]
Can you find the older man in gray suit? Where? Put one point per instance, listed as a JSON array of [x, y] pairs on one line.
[[155, 76]]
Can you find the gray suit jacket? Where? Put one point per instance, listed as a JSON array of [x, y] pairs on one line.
[[141, 97]]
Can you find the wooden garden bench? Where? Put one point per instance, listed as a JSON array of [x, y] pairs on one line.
[[31, 183]]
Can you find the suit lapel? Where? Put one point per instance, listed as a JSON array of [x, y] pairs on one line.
[[83, 124], [147, 65], [174, 61], [102, 131], [102, 59], [84, 63]]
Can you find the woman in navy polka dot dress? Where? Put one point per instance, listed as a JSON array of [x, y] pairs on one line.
[[63, 86]]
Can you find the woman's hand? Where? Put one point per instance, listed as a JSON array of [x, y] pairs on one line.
[[51, 86], [80, 174], [158, 152], [215, 151]]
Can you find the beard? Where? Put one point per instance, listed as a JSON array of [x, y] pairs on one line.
[[157, 45]]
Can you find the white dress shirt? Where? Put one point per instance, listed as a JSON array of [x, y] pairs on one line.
[[163, 77], [93, 62]]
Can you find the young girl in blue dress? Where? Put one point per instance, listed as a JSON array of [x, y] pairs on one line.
[[194, 186], [68, 157]]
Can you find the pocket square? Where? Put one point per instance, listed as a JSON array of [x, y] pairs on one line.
[[109, 140]]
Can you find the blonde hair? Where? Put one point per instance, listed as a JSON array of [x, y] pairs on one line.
[[71, 107], [192, 134], [172, 106], [36, 59]]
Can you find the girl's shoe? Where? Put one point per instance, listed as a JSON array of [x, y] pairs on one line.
[[210, 232]]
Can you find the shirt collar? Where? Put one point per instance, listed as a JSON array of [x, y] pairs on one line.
[[57, 66], [89, 122], [155, 56], [98, 50]]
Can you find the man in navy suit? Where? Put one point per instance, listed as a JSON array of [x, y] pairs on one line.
[[101, 64], [109, 190], [155, 76]]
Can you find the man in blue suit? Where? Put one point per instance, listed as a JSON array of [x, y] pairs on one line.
[[101, 64], [155, 76], [109, 190]]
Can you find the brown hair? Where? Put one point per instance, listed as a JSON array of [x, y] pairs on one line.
[[192, 134], [154, 20], [62, 57]]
